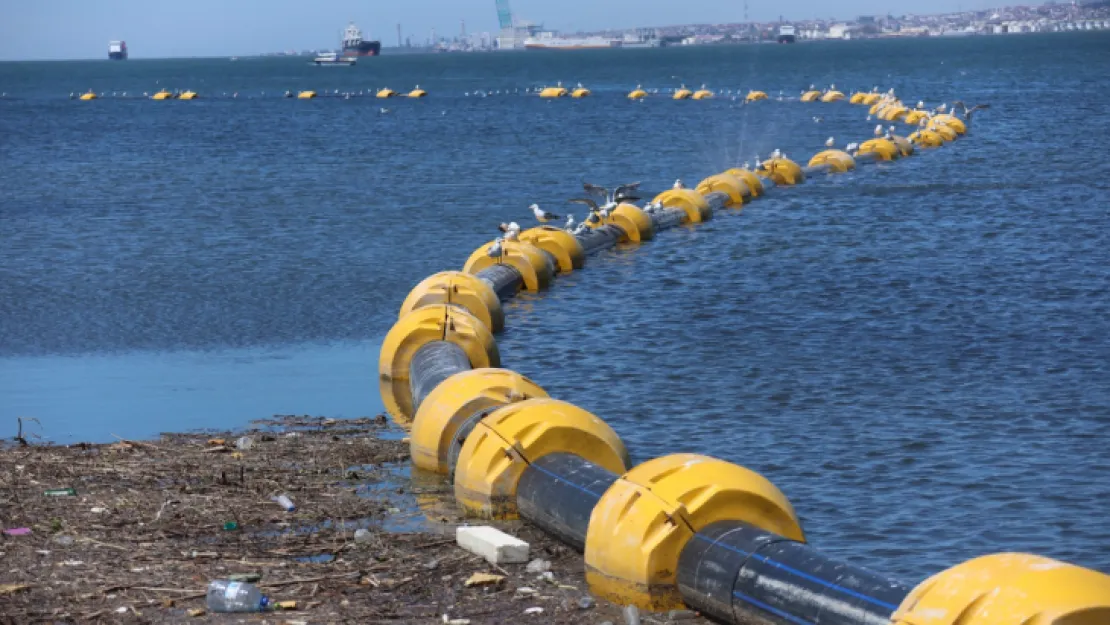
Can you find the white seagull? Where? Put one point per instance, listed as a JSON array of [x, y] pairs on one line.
[[541, 215], [829, 142], [678, 184], [879, 130], [569, 227], [495, 250]]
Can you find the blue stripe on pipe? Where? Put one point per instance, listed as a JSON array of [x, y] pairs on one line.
[[563, 479], [773, 610], [804, 575]]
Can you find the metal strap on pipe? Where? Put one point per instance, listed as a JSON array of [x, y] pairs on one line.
[[717, 200], [433, 363], [739, 574]]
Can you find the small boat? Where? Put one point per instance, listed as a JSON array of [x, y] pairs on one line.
[[333, 58]]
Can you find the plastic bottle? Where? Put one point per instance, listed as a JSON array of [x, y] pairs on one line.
[[229, 596], [285, 502]]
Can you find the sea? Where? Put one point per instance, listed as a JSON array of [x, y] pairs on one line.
[[917, 353]]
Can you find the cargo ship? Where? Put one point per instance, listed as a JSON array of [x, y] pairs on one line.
[[117, 50], [354, 45], [786, 34]]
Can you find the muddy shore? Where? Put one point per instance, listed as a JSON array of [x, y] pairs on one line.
[[149, 523]]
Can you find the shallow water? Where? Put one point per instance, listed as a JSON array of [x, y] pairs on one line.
[[915, 353]]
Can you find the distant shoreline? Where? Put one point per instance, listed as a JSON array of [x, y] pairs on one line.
[[393, 51]]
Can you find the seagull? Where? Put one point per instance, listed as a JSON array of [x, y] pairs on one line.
[[495, 250], [569, 227], [942, 108], [829, 142], [868, 118], [920, 104], [624, 192], [890, 130], [503, 227], [678, 184], [852, 147], [513, 233], [596, 191], [758, 163], [541, 215], [879, 130], [777, 153], [818, 120], [383, 110], [594, 217], [581, 229], [747, 165], [967, 112]]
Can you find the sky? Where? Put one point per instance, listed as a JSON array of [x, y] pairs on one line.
[[77, 29]]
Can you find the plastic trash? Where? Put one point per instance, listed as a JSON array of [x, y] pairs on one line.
[[60, 492], [18, 531], [631, 615], [228, 596], [285, 502], [231, 526], [244, 442]]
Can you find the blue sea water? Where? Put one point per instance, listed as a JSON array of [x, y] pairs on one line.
[[916, 353]]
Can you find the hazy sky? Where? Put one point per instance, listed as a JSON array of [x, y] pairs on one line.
[[73, 29]]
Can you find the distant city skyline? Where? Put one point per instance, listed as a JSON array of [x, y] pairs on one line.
[[78, 29]]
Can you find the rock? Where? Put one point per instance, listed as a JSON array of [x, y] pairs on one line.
[[681, 615], [363, 536], [631, 615], [548, 576], [538, 566], [483, 579], [63, 540], [525, 591], [586, 602], [431, 565], [98, 510]]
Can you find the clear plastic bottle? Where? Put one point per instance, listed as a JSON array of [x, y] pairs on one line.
[[229, 596]]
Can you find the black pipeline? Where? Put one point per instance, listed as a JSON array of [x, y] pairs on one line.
[[731, 571]]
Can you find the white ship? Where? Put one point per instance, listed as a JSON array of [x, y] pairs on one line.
[[548, 41], [333, 58]]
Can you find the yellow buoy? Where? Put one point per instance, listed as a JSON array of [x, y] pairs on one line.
[[386, 93], [417, 92], [702, 94], [811, 96], [953, 122], [553, 92], [943, 130], [188, 95], [162, 95], [927, 139], [914, 118], [580, 92], [870, 99], [858, 98], [832, 96], [756, 95], [683, 94], [306, 95], [637, 94], [88, 96]]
